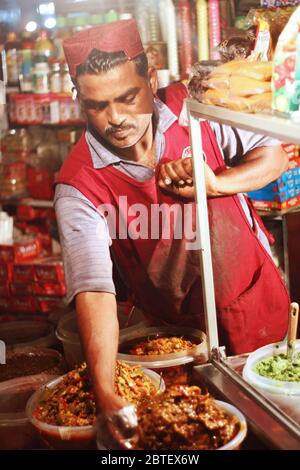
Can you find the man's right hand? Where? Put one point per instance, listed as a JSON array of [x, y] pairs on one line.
[[117, 429]]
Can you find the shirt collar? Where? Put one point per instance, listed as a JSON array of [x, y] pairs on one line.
[[102, 157]]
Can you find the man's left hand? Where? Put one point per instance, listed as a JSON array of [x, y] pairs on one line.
[[177, 177]]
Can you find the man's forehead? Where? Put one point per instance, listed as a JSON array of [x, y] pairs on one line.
[[112, 83]]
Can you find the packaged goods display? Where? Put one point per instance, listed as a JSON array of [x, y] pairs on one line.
[[238, 85], [283, 193], [269, 24], [48, 108]]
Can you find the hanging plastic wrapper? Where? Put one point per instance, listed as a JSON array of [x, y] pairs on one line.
[[286, 76]]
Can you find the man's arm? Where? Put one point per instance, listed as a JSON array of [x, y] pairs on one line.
[[88, 268], [258, 168], [99, 331]]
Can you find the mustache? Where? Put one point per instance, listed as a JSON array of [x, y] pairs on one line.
[[123, 127]]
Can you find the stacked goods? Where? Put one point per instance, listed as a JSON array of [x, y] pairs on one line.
[[33, 284], [239, 85], [283, 193], [47, 108]]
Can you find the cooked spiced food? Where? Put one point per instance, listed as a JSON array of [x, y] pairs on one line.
[[71, 402], [161, 345], [22, 364], [182, 418]]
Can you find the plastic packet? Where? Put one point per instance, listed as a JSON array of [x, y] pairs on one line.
[[244, 86], [237, 47], [269, 22], [286, 77]]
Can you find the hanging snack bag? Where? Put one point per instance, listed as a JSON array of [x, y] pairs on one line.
[[286, 73]]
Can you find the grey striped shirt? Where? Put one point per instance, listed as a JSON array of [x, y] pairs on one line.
[[84, 233]]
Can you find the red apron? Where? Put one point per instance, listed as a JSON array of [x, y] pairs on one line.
[[252, 301]]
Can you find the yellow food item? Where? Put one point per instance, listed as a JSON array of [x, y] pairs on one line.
[[252, 104], [243, 86], [256, 70]]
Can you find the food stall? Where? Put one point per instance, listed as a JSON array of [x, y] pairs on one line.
[[50, 412]]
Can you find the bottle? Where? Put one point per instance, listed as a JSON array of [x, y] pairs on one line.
[[172, 42], [44, 47], [186, 38], [55, 80], [214, 28], [26, 54], [13, 62], [202, 26], [66, 81], [41, 78], [63, 32], [154, 26]]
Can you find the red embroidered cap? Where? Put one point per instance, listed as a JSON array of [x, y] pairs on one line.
[[110, 37]]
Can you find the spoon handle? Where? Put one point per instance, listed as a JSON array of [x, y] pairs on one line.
[[292, 331]]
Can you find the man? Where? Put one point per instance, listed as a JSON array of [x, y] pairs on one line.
[[129, 164]]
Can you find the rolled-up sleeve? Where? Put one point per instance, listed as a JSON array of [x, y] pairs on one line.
[[235, 143], [85, 243]]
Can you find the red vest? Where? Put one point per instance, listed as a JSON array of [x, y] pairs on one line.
[[252, 301]]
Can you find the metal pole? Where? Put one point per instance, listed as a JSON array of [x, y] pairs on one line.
[[202, 232]]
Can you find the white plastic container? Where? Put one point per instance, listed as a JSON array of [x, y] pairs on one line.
[[19, 333], [175, 367], [272, 386], [237, 441], [67, 332], [70, 437]]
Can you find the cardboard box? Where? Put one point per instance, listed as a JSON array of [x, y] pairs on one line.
[[23, 272], [284, 193], [50, 270], [22, 251], [45, 289], [6, 270]]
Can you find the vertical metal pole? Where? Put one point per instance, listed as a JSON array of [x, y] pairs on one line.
[[202, 232]]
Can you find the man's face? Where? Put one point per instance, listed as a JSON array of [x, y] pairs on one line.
[[118, 104]]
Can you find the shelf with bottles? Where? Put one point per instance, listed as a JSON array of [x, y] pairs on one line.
[[36, 60], [43, 109], [26, 201]]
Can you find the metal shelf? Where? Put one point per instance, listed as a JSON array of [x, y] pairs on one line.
[[27, 202], [277, 127]]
